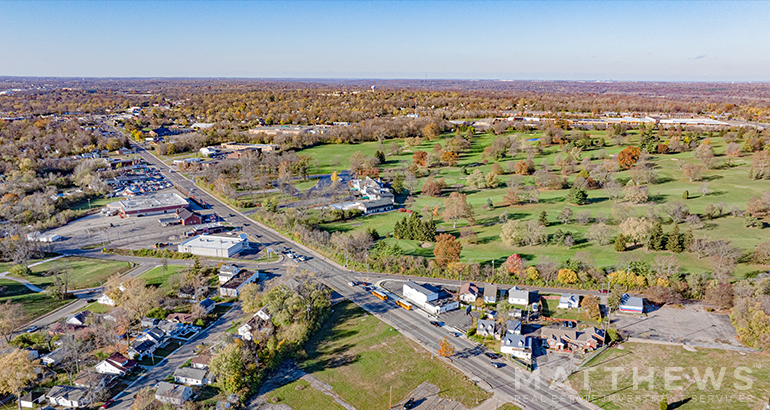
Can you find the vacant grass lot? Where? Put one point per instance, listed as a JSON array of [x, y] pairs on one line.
[[83, 272], [157, 277], [362, 358], [689, 392], [304, 398], [728, 185], [33, 304]]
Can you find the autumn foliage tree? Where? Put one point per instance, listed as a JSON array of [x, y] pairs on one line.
[[514, 264], [419, 158], [447, 250], [628, 157], [445, 349]]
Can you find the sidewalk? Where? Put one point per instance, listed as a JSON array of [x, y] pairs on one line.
[[25, 282]]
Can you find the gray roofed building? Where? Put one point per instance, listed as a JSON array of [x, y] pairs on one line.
[[377, 205], [68, 396], [513, 327], [173, 393], [191, 376], [486, 328], [490, 293]]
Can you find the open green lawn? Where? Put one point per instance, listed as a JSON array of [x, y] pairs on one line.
[[362, 357], [304, 184], [97, 307], [300, 396], [157, 277], [508, 406], [83, 272], [95, 203], [689, 392], [729, 186], [33, 304]]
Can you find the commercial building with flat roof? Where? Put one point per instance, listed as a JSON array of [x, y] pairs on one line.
[[216, 246], [162, 203]]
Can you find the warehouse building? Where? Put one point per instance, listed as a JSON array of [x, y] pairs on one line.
[[155, 204], [216, 246]]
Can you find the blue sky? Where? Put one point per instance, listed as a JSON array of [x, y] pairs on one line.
[[649, 40]]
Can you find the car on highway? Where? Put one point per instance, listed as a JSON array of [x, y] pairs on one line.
[[409, 404], [491, 355], [32, 329], [108, 403], [434, 323], [352, 283], [496, 365]]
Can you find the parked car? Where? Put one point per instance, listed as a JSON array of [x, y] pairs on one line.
[[496, 365], [352, 284], [409, 404], [434, 323], [32, 329], [491, 355], [108, 403]]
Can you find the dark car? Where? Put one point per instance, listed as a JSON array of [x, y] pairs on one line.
[[491, 355], [434, 323], [108, 403], [409, 404], [496, 365]]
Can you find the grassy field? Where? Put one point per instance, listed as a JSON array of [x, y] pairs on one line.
[[156, 276], [362, 358], [33, 304], [95, 203], [508, 406], [84, 272], [729, 186], [300, 396], [690, 392]]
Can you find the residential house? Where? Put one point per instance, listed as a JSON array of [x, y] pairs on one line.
[[53, 358], [569, 301], [517, 345], [153, 334], [513, 327], [192, 295], [149, 322], [171, 329], [233, 286], [631, 304], [558, 339], [468, 293], [68, 396], [142, 349], [60, 328], [486, 328], [376, 206], [188, 217], [106, 300], [31, 399], [173, 394], [94, 382], [180, 318], [259, 323], [208, 305], [522, 297], [589, 339], [227, 272], [208, 151], [192, 376], [490, 293], [78, 319], [201, 361], [116, 364]]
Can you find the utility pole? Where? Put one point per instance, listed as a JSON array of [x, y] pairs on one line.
[[390, 401]]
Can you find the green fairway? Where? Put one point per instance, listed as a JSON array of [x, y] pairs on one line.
[[362, 358]]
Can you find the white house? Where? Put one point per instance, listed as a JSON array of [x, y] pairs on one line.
[[78, 319], [518, 296], [116, 364], [631, 304], [173, 394], [68, 396], [232, 287], [513, 327], [259, 323], [490, 293], [192, 376], [569, 301], [468, 293], [208, 151], [486, 328], [94, 382], [53, 358], [106, 300], [32, 398], [227, 272], [517, 346]]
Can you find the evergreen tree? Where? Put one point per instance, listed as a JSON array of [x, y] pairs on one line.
[[686, 194], [489, 203], [620, 243], [577, 196], [655, 242], [543, 218], [398, 229], [413, 227], [674, 243], [687, 239]]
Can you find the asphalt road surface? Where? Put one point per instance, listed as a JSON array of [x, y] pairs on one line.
[[469, 357]]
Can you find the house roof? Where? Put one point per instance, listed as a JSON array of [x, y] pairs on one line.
[[203, 359], [516, 341], [558, 334], [568, 297], [490, 291], [631, 302], [514, 325], [517, 293], [180, 317], [171, 390], [70, 393], [469, 288], [143, 347], [231, 269], [207, 302], [89, 379], [190, 373], [486, 325]]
